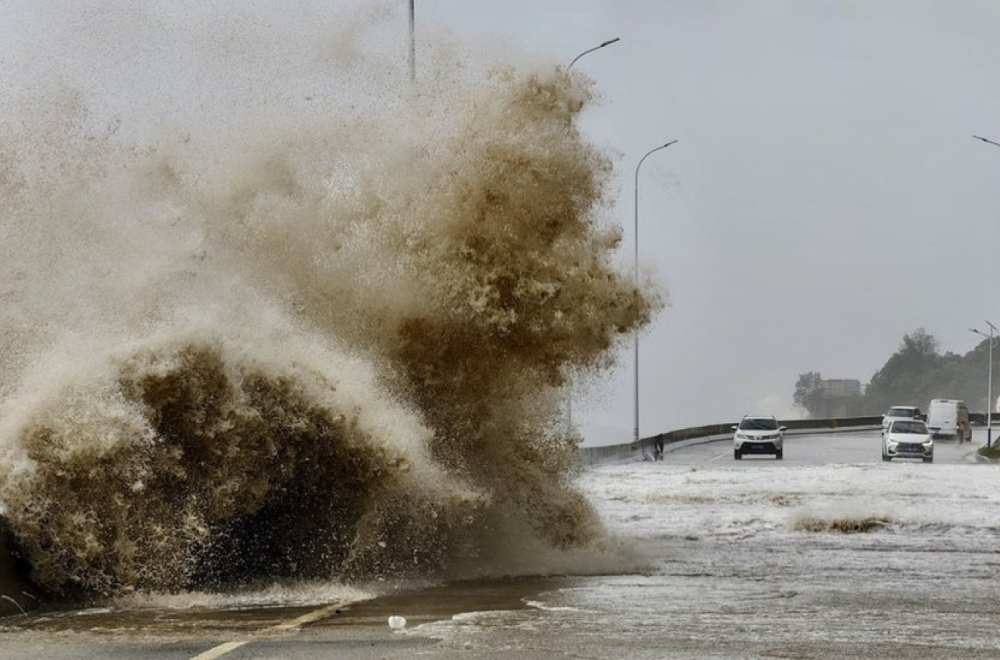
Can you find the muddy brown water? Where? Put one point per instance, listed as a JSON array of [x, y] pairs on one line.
[[418, 606], [17, 596]]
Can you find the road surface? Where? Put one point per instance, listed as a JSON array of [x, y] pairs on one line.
[[830, 553]]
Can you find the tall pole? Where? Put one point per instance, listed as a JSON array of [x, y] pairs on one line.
[[591, 50], [413, 46], [989, 381], [636, 334], [989, 385], [989, 391], [569, 386]]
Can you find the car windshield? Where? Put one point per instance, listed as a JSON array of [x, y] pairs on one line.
[[910, 427], [758, 424], [901, 412]]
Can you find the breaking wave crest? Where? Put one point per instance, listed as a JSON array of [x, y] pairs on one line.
[[271, 341]]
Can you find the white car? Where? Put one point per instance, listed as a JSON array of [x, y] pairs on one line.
[[908, 438], [758, 435], [899, 412]]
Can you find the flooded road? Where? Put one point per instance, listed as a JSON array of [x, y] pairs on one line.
[[829, 553]]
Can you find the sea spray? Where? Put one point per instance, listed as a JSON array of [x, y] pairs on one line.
[[192, 462], [282, 341]]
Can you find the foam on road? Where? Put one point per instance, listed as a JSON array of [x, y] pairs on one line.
[[828, 553]]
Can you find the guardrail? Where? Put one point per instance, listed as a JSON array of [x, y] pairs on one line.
[[714, 432]]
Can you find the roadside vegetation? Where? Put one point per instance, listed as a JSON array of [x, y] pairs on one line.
[[990, 452], [914, 374]]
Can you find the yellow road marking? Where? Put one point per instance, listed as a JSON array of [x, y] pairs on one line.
[[291, 624], [315, 615]]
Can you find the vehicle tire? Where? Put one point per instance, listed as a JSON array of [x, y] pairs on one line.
[[737, 454], [778, 454], [885, 457], [928, 459]]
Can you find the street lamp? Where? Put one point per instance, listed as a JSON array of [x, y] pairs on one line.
[[591, 50], [989, 383], [982, 139], [413, 45], [569, 394], [641, 160]]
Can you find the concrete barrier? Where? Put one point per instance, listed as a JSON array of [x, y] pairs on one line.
[[980, 418], [693, 435]]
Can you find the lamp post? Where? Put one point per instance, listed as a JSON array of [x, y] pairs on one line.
[[569, 394], [591, 50], [982, 139], [989, 382], [413, 45], [636, 230]]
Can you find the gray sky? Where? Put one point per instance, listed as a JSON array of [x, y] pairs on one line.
[[825, 198]]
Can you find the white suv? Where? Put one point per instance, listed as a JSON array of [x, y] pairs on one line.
[[908, 438], [758, 435]]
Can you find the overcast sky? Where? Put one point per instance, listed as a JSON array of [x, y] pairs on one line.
[[826, 195]]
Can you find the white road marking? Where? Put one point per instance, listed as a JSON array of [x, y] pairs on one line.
[[219, 650], [291, 624]]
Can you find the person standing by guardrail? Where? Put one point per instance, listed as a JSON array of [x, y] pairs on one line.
[[658, 447]]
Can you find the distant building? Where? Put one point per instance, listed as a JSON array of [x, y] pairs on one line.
[[836, 387], [840, 397]]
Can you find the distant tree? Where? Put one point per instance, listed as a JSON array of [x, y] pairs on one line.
[[914, 374], [809, 391], [920, 344]]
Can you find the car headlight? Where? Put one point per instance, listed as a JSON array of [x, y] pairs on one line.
[[742, 436]]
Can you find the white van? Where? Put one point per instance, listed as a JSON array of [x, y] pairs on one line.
[[949, 418]]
